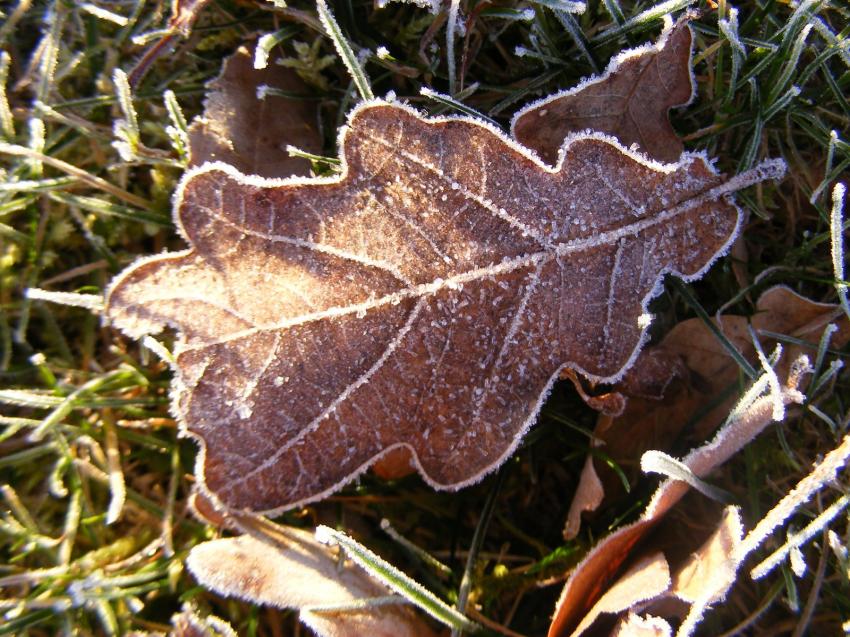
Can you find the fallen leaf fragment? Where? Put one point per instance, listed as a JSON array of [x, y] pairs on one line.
[[333, 599], [427, 297], [248, 127], [630, 101], [645, 580], [709, 574], [698, 381], [635, 625], [590, 579], [588, 496], [712, 568]]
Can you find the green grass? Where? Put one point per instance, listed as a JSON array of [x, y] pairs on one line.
[[86, 429]]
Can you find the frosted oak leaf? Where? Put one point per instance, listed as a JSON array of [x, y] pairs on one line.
[[427, 297]]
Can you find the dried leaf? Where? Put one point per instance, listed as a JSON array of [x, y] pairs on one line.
[[333, 598], [588, 497], [646, 580], [710, 572], [629, 100], [250, 131], [591, 577], [698, 380], [636, 626], [426, 297], [394, 464]]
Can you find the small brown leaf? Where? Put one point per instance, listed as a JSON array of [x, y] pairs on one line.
[[629, 100], [300, 573], [427, 297], [251, 132], [588, 497]]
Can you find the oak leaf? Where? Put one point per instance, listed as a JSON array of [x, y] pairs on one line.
[[630, 101], [427, 297]]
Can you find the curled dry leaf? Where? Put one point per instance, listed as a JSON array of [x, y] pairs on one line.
[[591, 577], [630, 101], [710, 572], [427, 297], [298, 572], [647, 579], [250, 131], [690, 369]]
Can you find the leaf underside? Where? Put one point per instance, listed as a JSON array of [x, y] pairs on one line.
[[427, 297]]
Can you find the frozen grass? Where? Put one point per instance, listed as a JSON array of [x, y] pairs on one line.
[[94, 529]]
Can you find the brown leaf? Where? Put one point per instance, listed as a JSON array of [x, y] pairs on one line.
[[588, 496], [426, 297], [298, 572], [591, 577], [646, 580], [698, 380], [712, 569], [395, 464], [629, 100], [250, 133]]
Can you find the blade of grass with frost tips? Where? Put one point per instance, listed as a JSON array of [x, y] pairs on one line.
[[653, 13], [82, 175], [565, 5], [447, 100], [397, 581], [93, 302], [475, 546], [836, 228], [657, 462], [345, 52]]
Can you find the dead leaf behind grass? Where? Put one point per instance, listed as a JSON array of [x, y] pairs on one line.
[[629, 101], [248, 124], [590, 579]]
